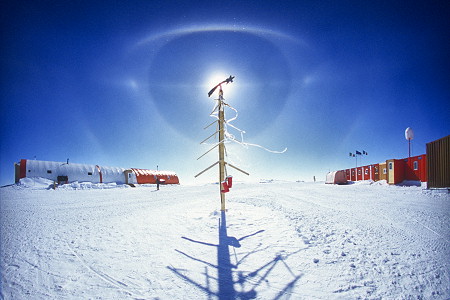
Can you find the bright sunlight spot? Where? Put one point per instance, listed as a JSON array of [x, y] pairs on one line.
[[217, 77]]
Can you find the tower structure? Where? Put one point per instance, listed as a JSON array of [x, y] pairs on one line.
[[225, 181]]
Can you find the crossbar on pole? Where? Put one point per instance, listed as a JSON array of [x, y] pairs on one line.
[[237, 168], [206, 169], [210, 124], [209, 137], [210, 150]]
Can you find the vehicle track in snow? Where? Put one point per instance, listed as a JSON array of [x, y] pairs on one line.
[[365, 244]]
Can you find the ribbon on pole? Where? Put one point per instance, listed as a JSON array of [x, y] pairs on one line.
[[218, 112]]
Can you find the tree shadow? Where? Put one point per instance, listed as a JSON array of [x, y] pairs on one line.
[[225, 269]]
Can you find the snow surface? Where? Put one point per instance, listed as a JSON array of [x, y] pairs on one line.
[[278, 240]]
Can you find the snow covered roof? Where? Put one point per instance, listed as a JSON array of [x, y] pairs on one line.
[[145, 172]]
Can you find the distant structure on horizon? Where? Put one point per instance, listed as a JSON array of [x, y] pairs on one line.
[[432, 167], [65, 172]]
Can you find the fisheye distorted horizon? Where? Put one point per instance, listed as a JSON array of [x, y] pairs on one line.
[[128, 87]]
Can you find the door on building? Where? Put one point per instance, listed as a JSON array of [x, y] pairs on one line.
[[391, 178]]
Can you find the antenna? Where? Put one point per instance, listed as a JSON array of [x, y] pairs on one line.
[[225, 183], [409, 135]]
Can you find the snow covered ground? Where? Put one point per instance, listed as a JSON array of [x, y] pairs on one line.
[[278, 240]]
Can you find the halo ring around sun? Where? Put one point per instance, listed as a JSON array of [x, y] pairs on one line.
[[258, 31], [162, 86]]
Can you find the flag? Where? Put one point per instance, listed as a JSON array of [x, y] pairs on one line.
[[358, 153], [351, 154], [364, 152]]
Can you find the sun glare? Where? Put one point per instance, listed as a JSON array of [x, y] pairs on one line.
[[215, 78]]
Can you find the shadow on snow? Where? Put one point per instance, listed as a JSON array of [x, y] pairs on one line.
[[226, 283]]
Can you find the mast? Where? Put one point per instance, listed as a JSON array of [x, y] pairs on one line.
[[224, 182], [221, 148]]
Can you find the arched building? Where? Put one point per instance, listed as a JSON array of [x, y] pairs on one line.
[[69, 172]]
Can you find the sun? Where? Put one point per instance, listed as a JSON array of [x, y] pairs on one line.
[[215, 78]]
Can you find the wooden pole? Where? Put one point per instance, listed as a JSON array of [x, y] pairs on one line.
[[221, 122], [221, 149]]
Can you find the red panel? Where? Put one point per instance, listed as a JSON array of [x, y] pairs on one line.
[[423, 169], [353, 174], [150, 177], [143, 176], [420, 174], [170, 179], [23, 168], [399, 170], [359, 173], [375, 172], [366, 172]]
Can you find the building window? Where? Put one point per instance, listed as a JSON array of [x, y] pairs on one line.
[[49, 171], [366, 171], [391, 165], [376, 170], [416, 165], [359, 172], [384, 171]]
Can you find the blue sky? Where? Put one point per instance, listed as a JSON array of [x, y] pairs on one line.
[[124, 83]]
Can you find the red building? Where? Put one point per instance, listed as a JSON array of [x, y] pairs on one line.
[[353, 174], [396, 170], [348, 174], [359, 173], [416, 168], [71, 172], [375, 172], [393, 171], [367, 172]]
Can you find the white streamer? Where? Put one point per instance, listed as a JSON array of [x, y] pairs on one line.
[[230, 137]]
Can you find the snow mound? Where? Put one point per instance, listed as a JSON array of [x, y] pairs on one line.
[[380, 182], [366, 182], [410, 183], [35, 183], [89, 185], [39, 183]]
